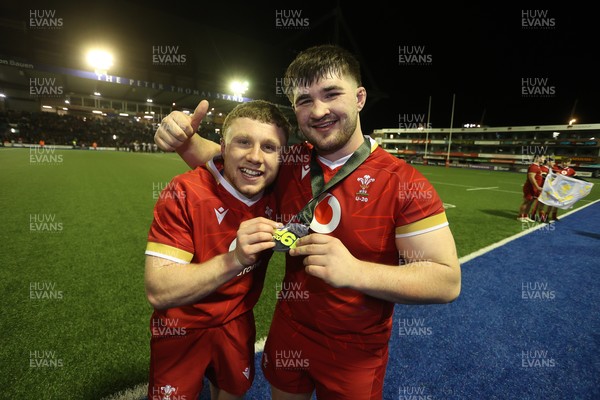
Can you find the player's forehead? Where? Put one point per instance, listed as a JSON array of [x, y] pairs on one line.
[[323, 84], [254, 130]]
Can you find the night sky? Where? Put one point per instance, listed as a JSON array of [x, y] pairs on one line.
[[506, 65]]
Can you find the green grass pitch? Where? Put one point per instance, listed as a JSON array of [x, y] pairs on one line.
[[75, 320]]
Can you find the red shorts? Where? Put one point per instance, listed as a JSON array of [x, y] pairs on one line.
[[299, 361], [529, 192], [224, 354]]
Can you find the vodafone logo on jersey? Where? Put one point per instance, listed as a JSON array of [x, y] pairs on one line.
[[327, 216]]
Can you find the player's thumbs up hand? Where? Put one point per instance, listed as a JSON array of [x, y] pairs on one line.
[[177, 127], [197, 116]]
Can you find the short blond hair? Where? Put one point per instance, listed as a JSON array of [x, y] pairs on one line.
[[262, 111]]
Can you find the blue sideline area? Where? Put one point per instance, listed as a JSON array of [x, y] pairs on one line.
[[526, 325]]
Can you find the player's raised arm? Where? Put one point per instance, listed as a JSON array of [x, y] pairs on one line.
[[177, 132]]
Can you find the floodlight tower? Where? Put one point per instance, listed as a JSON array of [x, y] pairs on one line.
[[101, 61], [238, 88]]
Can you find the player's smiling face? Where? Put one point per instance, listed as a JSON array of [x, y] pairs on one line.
[[327, 113], [250, 152]]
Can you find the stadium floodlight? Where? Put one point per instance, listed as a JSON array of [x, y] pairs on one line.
[[238, 88], [2, 95], [100, 60], [572, 121]]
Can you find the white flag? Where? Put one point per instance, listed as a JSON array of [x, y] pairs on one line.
[[563, 191]]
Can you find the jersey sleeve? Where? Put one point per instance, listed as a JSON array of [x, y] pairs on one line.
[[170, 235], [420, 210]]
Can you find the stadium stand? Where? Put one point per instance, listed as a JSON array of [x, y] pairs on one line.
[[496, 148]]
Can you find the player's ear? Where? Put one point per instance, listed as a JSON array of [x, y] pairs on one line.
[[361, 97], [222, 145]]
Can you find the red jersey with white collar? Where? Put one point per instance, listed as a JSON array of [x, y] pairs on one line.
[[195, 219], [383, 199]]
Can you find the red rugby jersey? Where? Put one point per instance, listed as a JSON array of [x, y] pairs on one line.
[[195, 219], [384, 198]]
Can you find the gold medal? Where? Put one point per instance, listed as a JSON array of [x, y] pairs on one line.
[[286, 237]]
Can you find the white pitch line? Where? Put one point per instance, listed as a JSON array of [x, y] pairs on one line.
[[138, 392], [450, 184], [475, 187], [259, 346], [502, 242], [508, 191], [483, 188]]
